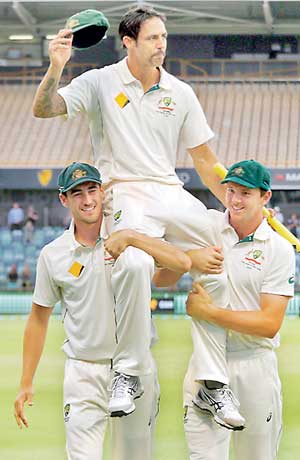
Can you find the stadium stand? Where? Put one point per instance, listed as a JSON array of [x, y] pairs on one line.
[[257, 119]]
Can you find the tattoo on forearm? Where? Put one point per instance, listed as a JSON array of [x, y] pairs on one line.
[[48, 103]]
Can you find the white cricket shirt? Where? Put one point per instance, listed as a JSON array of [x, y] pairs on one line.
[[136, 135], [261, 263], [79, 277]]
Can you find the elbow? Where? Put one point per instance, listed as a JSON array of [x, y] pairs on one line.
[[37, 113]]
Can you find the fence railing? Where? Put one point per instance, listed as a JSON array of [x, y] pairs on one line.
[[189, 69]]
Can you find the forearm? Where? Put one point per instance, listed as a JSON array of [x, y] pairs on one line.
[[164, 277], [204, 160], [33, 344], [256, 323], [47, 102], [165, 254]]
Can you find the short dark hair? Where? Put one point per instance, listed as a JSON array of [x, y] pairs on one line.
[[131, 22]]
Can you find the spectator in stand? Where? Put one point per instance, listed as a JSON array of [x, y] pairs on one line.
[[26, 277], [31, 219], [293, 224], [15, 217], [12, 276], [278, 214]]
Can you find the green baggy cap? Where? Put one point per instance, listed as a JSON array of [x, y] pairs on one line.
[[249, 173], [88, 27], [76, 174]]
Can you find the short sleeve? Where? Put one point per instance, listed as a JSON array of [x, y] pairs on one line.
[[81, 95], [46, 292], [280, 277], [195, 130]]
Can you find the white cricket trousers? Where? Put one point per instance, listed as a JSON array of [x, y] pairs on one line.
[[255, 381], [86, 395], [170, 212]]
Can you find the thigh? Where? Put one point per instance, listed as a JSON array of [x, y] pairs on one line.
[[256, 384], [85, 409], [132, 436], [205, 439], [135, 205], [190, 225]]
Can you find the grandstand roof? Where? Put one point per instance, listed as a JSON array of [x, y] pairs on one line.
[[184, 17]]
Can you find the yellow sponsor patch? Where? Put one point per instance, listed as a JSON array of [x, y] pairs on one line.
[[76, 269], [122, 100]]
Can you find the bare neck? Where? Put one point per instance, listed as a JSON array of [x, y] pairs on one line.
[[87, 234], [244, 229], [148, 76]]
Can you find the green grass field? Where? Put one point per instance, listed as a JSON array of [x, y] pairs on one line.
[[44, 440]]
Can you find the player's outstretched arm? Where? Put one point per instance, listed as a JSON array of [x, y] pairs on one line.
[[204, 160], [164, 254], [265, 322], [33, 344], [47, 102]]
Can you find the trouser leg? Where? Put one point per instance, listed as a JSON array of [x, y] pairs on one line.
[[85, 409], [131, 283], [132, 436]]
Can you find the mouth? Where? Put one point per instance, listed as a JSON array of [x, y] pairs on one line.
[[89, 209]]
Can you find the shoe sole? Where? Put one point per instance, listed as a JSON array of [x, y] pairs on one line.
[[220, 421], [122, 413]]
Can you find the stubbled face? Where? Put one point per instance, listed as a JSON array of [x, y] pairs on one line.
[[85, 202], [149, 49], [245, 204]]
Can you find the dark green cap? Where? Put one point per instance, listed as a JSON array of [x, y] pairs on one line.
[[76, 174], [88, 27], [249, 173]]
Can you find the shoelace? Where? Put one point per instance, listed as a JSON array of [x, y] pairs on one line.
[[119, 385], [229, 396]]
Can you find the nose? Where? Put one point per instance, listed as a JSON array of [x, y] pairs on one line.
[[87, 199]]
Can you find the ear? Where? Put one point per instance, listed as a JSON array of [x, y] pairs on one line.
[[128, 42], [267, 197], [64, 200]]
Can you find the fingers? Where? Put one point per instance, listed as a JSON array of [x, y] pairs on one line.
[[19, 413], [197, 288]]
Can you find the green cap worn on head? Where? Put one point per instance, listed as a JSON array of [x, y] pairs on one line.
[[88, 27], [76, 174], [249, 173]]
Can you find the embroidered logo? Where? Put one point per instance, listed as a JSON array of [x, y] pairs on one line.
[[78, 174], [238, 171], [269, 417], [291, 280], [117, 215], [166, 105], [72, 23], [67, 410], [254, 259], [122, 100], [76, 269]]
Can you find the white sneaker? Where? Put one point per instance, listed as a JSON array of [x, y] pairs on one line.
[[222, 405], [125, 388]]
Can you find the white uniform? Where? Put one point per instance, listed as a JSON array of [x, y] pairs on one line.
[[254, 266], [135, 139], [79, 277]]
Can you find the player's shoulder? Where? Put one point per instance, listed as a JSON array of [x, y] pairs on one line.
[[176, 83], [57, 245], [281, 246]]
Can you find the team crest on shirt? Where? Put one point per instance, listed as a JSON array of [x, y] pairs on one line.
[[166, 106], [117, 216], [254, 259], [67, 410]]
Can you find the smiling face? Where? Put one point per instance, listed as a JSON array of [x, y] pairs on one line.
[[149, 49], [85, 203], [245, 205]]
